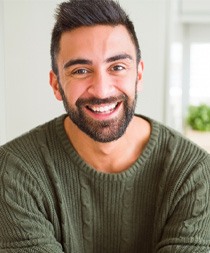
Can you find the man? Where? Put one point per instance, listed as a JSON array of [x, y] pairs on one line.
[[101, 179]]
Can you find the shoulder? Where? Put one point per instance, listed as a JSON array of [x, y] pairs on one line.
[[27, 148], [173, 150], [180, 165]]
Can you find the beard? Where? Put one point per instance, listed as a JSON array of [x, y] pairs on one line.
[[101, 130]]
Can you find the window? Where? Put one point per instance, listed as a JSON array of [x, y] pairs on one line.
[[189, 82], [199, 73]]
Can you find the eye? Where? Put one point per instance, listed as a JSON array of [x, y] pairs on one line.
[[80, 72], [118, 68]]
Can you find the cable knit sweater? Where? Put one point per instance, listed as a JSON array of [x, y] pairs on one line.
[[52, 201]]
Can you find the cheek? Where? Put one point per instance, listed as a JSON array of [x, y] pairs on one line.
[[128, 86], [74, 92]]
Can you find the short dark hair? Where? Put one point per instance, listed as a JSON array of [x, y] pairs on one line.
[[77, 13]]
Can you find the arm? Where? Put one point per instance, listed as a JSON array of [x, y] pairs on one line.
[[25, 225], [187, 227]]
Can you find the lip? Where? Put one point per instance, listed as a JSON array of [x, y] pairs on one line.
[[106, 108], [104, 111]]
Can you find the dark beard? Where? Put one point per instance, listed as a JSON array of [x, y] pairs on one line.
[[105, 130]]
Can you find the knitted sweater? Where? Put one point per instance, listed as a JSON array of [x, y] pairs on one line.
[[52, 201]]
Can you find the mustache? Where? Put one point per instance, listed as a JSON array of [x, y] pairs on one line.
[[99, 101]]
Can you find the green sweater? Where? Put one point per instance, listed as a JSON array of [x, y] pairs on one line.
[[52, 201]]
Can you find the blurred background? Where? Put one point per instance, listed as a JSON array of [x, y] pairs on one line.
[[174, 36]]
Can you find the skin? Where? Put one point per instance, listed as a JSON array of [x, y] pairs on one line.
[[107, 67]]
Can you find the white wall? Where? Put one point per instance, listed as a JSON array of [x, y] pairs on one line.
[[29, 99], [26, 35], [2, 80], [151, 19]]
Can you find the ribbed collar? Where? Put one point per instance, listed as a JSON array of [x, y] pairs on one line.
[[89, 171]]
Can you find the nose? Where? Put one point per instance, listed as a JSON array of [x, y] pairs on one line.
[[101, 86]]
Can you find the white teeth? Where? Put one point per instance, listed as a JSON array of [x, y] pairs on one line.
[[106, 108]]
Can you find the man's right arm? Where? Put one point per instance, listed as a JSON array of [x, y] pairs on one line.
[[25, 224]]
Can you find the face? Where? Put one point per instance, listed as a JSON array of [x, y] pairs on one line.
[[98, 80]]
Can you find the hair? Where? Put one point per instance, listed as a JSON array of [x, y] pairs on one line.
[[77, 13]]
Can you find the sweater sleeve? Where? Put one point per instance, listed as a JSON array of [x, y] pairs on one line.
[[187, 228], [25, 225]]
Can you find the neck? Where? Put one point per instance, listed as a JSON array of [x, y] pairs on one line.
[[111, 157]]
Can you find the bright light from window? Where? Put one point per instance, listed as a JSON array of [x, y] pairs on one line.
[[175, 89], [199, 73]]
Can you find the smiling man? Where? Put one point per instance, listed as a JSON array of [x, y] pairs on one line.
[[97, 78], [101, 178]]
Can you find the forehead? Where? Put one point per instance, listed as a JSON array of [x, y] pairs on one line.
[[96, 41]]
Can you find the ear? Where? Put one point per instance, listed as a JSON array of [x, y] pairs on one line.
[[55, 85], [140, 75]]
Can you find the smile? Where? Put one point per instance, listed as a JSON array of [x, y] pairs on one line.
[[103, 109]]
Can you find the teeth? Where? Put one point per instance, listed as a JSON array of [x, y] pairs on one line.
[[106, 108]]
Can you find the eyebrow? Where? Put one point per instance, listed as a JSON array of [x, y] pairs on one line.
[[89, 62], [77, 61], [119, 57]]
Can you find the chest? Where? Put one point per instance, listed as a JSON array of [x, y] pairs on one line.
[[108, 216]]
